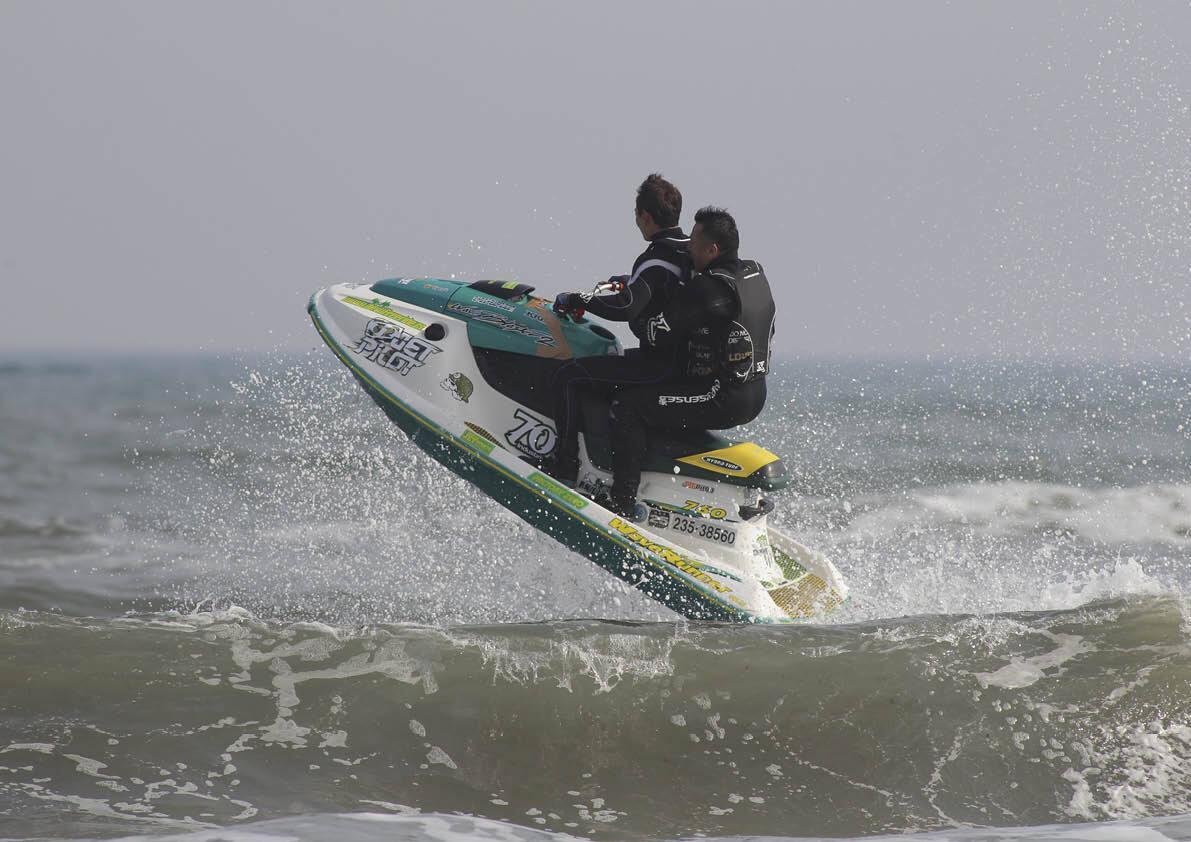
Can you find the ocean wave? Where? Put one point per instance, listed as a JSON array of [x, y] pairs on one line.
[[604, 729], [1144, 515], [298, 498], [52, 527], [389, 821]]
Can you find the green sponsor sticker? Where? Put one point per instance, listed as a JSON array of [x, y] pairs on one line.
[[575, 501], [382, 308], [478, 441]]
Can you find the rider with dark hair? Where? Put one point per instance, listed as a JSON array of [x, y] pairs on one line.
[[635, 299], [720, 324], [660, 199]]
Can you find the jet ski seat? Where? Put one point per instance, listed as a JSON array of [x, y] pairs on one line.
[[695, 454]]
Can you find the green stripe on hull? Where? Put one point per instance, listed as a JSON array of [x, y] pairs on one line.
[[535, 507]]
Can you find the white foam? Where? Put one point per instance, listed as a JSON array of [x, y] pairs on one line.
[[438, 756], [333, 739], [1023, 672], [1132, 772], [953, 577], [100, 808], [1147, 514], [399, 809], [401, 822], [605, 658], [40, 748], [88, 766]]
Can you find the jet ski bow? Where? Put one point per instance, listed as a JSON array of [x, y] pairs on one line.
[[464, 368]]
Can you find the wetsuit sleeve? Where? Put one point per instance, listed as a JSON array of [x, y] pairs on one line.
[[623, 306], [705, 300]]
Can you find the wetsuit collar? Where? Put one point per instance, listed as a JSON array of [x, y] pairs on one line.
[[731, 263], [674, 233]]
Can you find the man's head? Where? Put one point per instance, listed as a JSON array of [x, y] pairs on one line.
[[659, 204], [714, 235]]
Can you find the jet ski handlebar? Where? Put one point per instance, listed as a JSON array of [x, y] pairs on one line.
[[573, 303], [614, 284]]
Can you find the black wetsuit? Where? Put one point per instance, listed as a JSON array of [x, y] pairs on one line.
[[720, 324], [659, 270]]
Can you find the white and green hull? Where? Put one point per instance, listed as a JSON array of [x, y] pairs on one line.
[[418, 364]]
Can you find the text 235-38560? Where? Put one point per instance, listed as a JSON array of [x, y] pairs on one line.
[[707, 531]]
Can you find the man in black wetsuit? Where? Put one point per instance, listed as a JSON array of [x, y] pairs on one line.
[[721, 323], [657, 271]]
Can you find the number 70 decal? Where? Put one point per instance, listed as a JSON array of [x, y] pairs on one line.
[[531, 435]]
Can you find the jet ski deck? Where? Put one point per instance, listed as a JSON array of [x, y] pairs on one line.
[[434, 355]]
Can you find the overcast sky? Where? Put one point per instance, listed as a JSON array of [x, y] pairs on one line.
[[917, 178]]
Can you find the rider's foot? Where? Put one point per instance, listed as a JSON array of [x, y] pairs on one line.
[[624, 505], [564, 469]]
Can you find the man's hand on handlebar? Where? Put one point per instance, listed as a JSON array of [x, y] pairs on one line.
[[574, 304], [569, 304]]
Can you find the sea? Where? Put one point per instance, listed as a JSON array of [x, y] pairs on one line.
[[236, 603]]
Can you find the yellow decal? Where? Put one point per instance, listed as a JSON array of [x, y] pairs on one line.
[[476, 428], [478, 442], [739, 460], [382, 308], [686, 565], [808, 596], [703, 510], [575, 501]]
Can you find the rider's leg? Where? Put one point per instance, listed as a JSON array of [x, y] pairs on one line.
[[600, 374], [686, 405], [564, 461], [699, 405]]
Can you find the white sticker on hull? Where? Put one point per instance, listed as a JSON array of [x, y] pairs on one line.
[[686, 523], [531, 436], [391, 346]]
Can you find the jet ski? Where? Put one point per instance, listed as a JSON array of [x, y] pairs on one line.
[[464, 369]]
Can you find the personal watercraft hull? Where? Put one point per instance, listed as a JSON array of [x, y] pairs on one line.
[[418, 363]]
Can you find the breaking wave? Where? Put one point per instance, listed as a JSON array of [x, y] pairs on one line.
[[602, 729], [1140, 516]]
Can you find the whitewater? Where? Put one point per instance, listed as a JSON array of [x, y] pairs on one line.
[[236, 604]]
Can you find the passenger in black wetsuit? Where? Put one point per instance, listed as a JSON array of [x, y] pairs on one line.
[[721, 324], [656, 273]]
